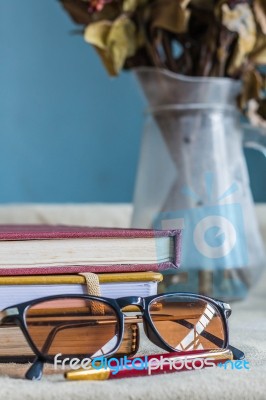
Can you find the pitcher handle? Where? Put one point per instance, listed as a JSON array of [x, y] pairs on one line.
[[254, 138]]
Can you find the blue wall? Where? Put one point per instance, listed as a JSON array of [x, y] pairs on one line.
[[68, 133]]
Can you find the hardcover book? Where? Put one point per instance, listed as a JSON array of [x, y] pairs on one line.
[[46, 249], [17, 289]]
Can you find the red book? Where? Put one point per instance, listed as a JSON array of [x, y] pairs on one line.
[[46, 249]]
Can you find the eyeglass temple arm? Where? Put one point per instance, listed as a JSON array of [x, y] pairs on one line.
[[50, 338], [36, 369]]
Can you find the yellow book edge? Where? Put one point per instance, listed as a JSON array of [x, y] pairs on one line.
[[78, 279]]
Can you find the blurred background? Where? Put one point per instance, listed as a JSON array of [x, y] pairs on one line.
[[68, 132]]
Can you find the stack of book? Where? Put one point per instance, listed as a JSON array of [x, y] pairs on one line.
[[38, 261]]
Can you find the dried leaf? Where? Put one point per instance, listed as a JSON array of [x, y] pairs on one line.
[[117, 40], [170, 15], [240, 19], [97, 33], [258, 54], [121, 41], [107, 61], [131, 5], [259, 7]]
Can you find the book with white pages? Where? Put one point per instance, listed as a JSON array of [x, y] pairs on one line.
[[19, 289]]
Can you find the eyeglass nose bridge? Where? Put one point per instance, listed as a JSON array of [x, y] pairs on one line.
[[131, 301], [147, 325]]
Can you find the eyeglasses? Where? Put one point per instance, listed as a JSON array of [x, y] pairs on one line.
[[89, 326]]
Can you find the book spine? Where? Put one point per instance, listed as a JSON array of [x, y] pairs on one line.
[[177, 248]]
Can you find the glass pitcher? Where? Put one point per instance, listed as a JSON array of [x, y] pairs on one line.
[[192, 174]]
